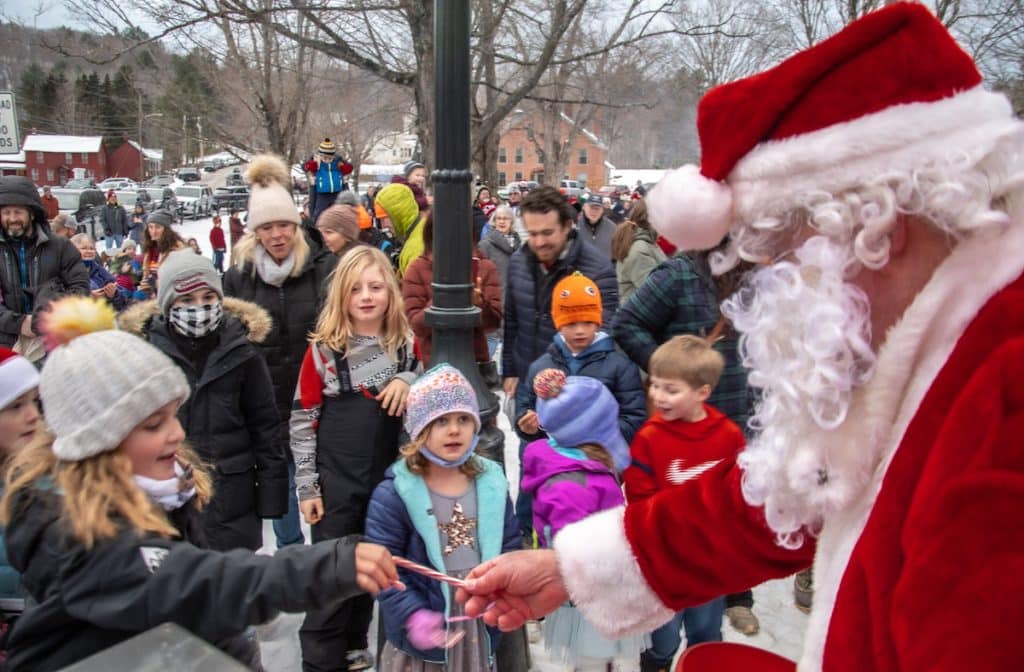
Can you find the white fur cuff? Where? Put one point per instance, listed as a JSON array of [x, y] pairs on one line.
[[603, 578]]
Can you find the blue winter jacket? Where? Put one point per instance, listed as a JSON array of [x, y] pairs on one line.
[[99, 277], [329, 179], [400, 517], [601, 361], [528, 324]]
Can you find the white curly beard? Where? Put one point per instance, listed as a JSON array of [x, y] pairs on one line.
[[807, 343]]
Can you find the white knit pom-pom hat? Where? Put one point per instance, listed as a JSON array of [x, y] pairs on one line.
[[98, 387]]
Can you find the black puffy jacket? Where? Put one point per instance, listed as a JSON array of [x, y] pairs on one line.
[[529, 327], [87, 600], [52, 264], [294, 308], [229, 418]]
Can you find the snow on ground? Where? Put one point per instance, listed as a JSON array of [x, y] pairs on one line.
[[782, 625]]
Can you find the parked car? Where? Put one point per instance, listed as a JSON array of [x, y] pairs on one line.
[[571, 188], [235, 178], [159, 181], [194, 200], [82, 205], [614, 191], [84, 183], [156, 195], [526, 186], [117, 183], [189, 174], [226, 198]]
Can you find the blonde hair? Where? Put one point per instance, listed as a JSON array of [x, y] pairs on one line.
[[99, 493], [334, 325], [245, 251], [419, 465], [688, 358]]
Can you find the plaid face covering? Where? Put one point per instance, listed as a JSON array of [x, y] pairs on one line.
[[196, 321]]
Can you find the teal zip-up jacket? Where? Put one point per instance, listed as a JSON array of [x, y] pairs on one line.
[[401, 518]]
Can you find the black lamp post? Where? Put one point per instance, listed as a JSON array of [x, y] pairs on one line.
[[453, 315]]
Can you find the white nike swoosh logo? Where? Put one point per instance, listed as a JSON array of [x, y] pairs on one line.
[[676, 475]]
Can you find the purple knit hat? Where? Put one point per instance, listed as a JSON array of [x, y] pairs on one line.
[[575, 410]]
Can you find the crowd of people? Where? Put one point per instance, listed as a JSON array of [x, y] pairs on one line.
[[822, 375]]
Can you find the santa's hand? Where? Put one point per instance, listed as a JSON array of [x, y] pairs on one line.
[[426, 629], [514, 588]]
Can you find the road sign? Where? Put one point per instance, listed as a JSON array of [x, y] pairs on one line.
[[10, 141]]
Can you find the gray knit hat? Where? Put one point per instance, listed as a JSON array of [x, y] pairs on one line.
[[100, 386], [183, 272], [411, 166], [347, 197], [161, 217]]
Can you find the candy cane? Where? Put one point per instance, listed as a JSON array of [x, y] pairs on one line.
[[428, 572]]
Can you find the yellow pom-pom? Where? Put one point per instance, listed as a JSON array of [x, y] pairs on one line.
[[74, 316]]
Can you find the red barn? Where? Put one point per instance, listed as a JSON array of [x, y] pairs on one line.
[[50, 159]]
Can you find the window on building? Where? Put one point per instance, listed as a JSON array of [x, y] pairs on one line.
[[39, 157], [583, 157], [519, 156], [501, 179], [85, 157], [519, 176], [35, 174], [49, 174], [67, 158], [502, 155]]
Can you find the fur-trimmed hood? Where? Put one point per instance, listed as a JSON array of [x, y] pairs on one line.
[[256, 320]]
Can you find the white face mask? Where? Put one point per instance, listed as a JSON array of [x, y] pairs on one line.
[[196, 321]]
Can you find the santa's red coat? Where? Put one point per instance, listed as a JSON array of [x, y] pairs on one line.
[[925, 570]]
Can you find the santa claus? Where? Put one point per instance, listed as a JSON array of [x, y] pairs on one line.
[[880, 187]]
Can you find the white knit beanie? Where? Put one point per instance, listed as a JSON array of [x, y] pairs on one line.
[[270, 197], [99, 387]]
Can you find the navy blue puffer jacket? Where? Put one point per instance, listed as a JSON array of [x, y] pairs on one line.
[[528, 324]]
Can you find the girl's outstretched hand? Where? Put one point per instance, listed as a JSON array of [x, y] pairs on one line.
[[375, 570], [392, 398]]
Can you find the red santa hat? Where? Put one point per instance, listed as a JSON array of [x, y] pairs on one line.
[[892, 91], [17, 376]]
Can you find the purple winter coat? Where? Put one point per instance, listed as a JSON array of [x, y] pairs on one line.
[[566, 485]]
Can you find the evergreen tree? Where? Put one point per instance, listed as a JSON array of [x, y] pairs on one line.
[[29, 91]]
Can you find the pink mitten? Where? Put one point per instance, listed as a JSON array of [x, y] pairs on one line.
[[426, 629]]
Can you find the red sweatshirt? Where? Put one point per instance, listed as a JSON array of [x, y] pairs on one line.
[[668, 453], [217, 239]]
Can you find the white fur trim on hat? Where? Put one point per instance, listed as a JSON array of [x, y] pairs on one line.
[[97, 388], [774, 176], [604, 579], [17, 376], [691, 210]]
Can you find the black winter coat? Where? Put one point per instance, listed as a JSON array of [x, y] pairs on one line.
[[54, 268], [528, 324], [293, 307], [115, 220], [229, 418], [87, 600]]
